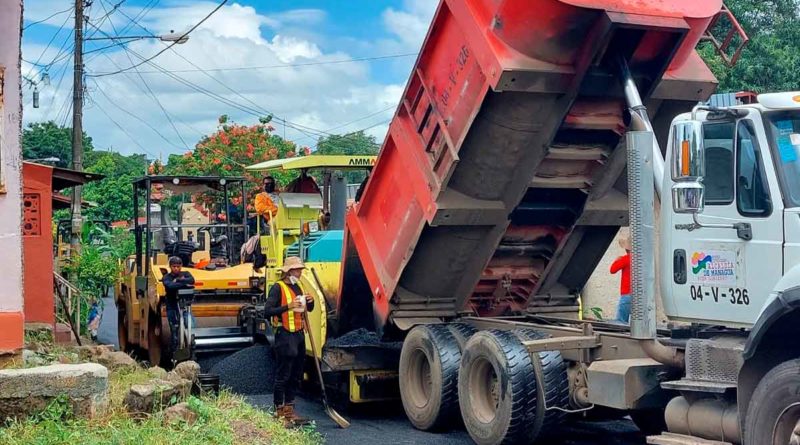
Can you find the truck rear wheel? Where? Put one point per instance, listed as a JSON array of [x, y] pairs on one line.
[[429, 377], [552, 386], [773, 415], [462, 332], [497, 389]]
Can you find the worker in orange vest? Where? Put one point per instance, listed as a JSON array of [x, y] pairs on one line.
[[286, 303]]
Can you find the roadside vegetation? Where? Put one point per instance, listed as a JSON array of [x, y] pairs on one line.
[[226, 419]]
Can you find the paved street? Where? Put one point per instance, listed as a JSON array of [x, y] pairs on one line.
[[389, 425]]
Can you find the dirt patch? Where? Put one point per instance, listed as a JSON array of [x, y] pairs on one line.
[[247, 432]]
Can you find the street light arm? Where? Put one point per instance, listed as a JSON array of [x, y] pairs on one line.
[[121, 38]]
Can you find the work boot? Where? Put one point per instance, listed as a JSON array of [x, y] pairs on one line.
[[280, 414], [293, 417]]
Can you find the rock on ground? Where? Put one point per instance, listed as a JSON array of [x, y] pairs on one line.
[[178, 413], [188, 370], [249, 371], [24, 392], [116, 360], [155, 395], [157, 372], [91, 352]]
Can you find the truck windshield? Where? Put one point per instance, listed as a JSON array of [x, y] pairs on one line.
[[783, 129]]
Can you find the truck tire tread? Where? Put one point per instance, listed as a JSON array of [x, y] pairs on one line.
[[444, 357], [552, 382], [507, 353]]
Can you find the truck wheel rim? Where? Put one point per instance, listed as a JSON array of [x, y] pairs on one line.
[[420, 388], [787, 426], [484, 390]]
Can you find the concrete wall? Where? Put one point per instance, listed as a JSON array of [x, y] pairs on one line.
[[37, 243], [11, 305]]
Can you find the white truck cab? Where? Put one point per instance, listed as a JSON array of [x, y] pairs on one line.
[[729, 242]]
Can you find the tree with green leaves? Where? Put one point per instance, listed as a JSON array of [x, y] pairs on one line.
[[351, 144], [113, 194], [769, 62], [42, 140]]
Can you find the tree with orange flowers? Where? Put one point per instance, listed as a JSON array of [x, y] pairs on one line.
[[233, 147]]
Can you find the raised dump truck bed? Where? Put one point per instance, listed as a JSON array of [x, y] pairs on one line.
[[500, 183]]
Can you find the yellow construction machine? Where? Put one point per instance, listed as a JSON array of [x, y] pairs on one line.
[[203, 221]]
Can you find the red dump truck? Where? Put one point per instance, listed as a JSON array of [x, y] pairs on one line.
[[529, 132]]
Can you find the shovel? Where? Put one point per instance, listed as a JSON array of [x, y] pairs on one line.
[[336, 417]]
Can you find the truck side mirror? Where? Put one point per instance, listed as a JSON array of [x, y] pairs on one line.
[[688, 167], [688, 160]]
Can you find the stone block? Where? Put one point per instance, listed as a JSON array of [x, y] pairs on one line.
[[155, 395], [24, 392]]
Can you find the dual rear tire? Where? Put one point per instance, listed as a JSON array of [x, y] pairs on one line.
[[487, 380]]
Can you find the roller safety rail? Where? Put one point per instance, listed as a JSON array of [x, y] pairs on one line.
[[500, 183]]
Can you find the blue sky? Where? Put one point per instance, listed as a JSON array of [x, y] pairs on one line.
[[293, 58]]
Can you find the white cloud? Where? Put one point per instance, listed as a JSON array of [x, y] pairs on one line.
[[410, 25], [320, 96]]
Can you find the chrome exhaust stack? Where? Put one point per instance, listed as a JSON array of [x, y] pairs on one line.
[[645, 172]]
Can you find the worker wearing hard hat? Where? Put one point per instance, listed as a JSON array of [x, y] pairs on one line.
[[286, 303]]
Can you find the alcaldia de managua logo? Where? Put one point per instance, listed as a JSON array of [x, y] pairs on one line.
[[711, 265]]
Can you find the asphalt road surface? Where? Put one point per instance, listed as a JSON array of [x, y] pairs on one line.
[[388, 424]]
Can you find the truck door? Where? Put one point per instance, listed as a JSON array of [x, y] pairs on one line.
[[717, 275]]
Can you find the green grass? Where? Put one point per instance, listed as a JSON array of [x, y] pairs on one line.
[[227, 419]]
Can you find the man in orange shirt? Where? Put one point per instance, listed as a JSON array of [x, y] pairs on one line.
[[266, 201]]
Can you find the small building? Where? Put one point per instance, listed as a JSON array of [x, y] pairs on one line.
[[40, 182], [11, 312]]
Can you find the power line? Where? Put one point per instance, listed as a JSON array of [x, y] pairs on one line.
[[60, 28], [163, 110], [106, 16], [258, 112], [58, 87], [143, 12], [258, 108], [48, 18], [122, 128], [116, 105], [358, 120], [165, 49], [290, 65]]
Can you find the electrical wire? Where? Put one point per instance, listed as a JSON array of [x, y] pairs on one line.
[[116, 105], [149, 90], [221, 4], [104, 17], [46, 19], [122, 128], [289, 65], [357, 120], [60, 28], [143, 12], [58, 87], [257, 111]]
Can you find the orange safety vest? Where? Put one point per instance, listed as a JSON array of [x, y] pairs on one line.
[[289, 320]]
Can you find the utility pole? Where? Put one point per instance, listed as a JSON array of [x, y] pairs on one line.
[[77, 128]]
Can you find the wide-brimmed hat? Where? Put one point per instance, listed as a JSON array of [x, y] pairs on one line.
[[292, 262]]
